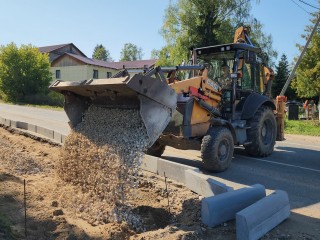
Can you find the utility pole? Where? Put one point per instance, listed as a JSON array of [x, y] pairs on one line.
[[281, 99], [293, 72]]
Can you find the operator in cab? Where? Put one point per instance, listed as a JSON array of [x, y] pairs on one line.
[[225, 79]]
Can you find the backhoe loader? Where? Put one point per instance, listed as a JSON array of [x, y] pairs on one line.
[[210, 110]]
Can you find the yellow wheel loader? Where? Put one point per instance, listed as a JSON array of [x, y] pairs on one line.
[[199, 106]]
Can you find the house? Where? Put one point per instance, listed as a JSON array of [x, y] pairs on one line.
[[68, 63], [57, 50]]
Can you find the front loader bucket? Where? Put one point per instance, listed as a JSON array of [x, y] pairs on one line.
[[155, 99]]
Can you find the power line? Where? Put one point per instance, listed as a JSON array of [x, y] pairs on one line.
[[308, 4], [300, 7]]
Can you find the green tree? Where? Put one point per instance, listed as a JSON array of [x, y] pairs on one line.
[[307, 81], [264, 41], [195, 23], [101, 53], [198, 23], [24, 71], [281, 76], [130, 52], [155, 54]]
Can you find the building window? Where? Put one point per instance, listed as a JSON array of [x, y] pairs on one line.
[[95, 74], [58, 74], [109, 74]]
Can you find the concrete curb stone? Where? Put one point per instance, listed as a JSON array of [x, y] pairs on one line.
[[149, 163], [174, 171], [32, 128], [223, 207], [204, 185], [45, 132], [256, 220], [22, 125]]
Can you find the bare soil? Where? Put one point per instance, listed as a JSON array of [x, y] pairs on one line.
[[52, 212]]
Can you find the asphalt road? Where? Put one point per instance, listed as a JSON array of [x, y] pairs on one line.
[[293, 167], [55, 120]]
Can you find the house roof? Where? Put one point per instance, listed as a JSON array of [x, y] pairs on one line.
[[136, 64], [91, 61], [139, 64], [48, 49]]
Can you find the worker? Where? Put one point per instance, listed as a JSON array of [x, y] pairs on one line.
[[225, 79]]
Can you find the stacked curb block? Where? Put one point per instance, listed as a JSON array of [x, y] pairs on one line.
[[222, 208], [255, 213], [272, 209]]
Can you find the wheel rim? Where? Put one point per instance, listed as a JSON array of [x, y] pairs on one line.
[[223, 150], [266, 132]]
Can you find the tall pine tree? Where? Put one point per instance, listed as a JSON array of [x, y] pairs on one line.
[[282, 74], [101, 53]]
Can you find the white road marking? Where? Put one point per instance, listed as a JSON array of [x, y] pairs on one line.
[[284, 164], [298, 144]]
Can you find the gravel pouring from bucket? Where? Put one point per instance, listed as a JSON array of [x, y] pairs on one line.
[[155, 99]]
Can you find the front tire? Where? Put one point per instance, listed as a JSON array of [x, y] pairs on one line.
[[217, 149], [262, 133]]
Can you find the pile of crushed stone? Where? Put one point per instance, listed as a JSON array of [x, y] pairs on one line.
[[102, 156]]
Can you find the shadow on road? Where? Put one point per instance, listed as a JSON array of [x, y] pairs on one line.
[[189, 162]]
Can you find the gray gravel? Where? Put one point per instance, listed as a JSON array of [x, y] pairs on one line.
[[102, 156]]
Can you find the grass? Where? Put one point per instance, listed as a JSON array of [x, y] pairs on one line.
[[302, 127], [42, 106], [35, 105]]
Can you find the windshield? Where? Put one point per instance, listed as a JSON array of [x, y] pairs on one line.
[[219, 66]]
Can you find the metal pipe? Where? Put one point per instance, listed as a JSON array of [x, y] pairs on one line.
[[209, 108], [182, 68]]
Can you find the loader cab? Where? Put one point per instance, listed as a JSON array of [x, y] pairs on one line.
[[246, 72]]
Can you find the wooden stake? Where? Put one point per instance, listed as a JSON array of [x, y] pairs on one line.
[[165, 180], [25, 207]]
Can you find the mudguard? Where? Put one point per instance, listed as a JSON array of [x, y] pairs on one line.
[[252, 103]]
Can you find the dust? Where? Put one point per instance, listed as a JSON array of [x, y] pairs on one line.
[[102, 156]]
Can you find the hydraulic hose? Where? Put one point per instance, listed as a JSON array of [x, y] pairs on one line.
[[214, 111]]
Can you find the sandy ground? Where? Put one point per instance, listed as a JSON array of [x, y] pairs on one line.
[[51, 216]]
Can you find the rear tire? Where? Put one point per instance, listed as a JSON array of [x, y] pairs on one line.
[[156, 149], [262, 133], [217, 149]]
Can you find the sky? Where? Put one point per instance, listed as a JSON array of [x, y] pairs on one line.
[[113, 23]]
